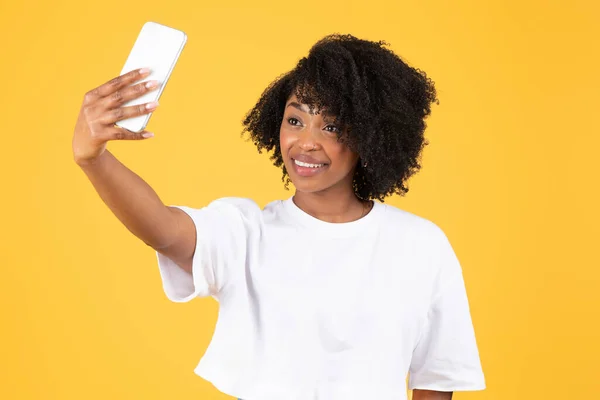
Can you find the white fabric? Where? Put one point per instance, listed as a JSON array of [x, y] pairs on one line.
[[316, 310]]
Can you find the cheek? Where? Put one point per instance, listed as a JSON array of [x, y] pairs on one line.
[[341, 156], [285, 141]]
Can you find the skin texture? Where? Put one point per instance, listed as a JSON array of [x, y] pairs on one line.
[[167, 230], [328, 195]]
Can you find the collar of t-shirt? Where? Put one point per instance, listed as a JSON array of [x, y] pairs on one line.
[[332, 229]]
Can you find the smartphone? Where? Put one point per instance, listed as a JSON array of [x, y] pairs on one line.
[[157, 47]]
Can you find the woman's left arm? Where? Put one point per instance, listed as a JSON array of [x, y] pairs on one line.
[[431, 395]]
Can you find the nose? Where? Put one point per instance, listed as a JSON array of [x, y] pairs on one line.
[[307, 139]]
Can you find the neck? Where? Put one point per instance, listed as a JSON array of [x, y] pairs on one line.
[[332, 206]]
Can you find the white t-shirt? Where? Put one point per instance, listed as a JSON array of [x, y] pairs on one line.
[[316, 310]]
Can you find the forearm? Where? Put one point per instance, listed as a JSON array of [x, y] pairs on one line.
[[132, 200], [430, 395]]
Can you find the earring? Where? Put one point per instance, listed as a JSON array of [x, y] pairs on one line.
[[365, 164]]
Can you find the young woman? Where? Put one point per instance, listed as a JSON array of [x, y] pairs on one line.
[[329, 294]]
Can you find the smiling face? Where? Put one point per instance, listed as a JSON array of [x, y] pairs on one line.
[[314, 158]]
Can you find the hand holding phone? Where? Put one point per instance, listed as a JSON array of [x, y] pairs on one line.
[[158, 48], [120, 108], [102, 108]]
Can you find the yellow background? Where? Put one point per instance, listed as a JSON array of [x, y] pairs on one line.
[[510, 175]]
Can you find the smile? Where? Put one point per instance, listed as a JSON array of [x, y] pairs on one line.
[[307, 165]]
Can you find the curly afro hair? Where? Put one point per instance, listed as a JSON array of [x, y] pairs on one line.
[[379, 100]]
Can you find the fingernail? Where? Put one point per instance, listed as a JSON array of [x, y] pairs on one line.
[[151, 84], [144, 70], [147, 135], [152, 105]]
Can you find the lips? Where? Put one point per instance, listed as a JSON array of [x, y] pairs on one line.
[[307, 166], [307, 159]]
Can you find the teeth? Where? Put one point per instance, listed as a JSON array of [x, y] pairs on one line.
[[303, 164]]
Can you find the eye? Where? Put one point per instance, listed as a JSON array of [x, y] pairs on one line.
[[332, 129], [293, 121]]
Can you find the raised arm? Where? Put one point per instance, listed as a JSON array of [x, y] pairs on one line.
[[167, 230]]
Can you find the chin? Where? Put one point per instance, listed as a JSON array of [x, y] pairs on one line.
[[316, 183], [304, 186]]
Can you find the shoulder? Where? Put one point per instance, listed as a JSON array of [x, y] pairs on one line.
[[240, 203], [426, 240], [400, 218], [242, 207], [418, 228]]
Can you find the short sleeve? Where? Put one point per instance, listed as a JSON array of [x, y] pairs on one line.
[[223, 232], [446, 357]]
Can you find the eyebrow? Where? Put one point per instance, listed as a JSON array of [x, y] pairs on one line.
[[299, 107]]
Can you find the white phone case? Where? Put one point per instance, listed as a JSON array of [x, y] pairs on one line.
[[157, 47]]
